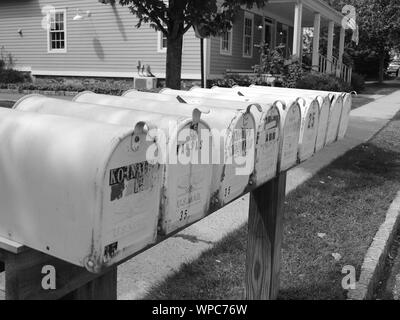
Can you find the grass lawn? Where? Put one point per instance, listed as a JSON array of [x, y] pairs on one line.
[[337, 211]]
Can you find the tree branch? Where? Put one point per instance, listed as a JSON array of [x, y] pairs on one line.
[[186, 29], [154, 18]]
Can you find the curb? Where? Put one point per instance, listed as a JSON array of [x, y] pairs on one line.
[[374, 260]]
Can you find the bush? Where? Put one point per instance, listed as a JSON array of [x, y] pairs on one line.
[[231, 80], [318, 81], [293, 73], [357, 82], [11, 76]]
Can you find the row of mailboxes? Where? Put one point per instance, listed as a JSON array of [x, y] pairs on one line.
[[334, 107], [289, 115], [233, 139], [185, 192], [109, 173], [267, 122]]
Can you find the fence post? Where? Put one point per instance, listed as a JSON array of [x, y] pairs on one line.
[[265, 229]]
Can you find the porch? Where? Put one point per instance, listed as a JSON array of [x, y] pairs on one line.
[[313, 15]]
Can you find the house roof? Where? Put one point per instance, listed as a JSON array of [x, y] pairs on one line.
[[285, 10]]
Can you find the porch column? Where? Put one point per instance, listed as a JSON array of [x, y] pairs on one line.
[[298, 31], [329, 54], [341, 50], [315, 49]]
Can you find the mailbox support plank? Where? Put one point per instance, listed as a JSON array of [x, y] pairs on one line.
[[101, 288], [24, 274], [264, 242]]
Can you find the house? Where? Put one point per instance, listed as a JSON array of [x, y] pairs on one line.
[[88, 38]]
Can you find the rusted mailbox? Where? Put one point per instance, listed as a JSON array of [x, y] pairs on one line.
[[290, 123], [186, 188], [309, 112], [68, 187], [268, 125], [233, 135]]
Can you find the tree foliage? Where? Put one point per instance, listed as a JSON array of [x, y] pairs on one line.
[[215, 16], [175, 17], [379, 28]]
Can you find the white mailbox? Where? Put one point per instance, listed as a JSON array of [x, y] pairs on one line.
[[345, 117], [232, 150], [274, 137], [291, 118], [335, 115], [268, 126], [186, 187], [81, 191], [322, 97], [309, 114]]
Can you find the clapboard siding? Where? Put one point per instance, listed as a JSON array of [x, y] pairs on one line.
[[219, 63], [108, 41]]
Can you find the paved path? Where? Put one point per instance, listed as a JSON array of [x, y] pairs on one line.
[[143, 272]]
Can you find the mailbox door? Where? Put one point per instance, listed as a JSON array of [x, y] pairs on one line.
[[131, 200], [334, 119], [345, 117], [267, 146], [187, 187], [309, 130], [322, 123], [238, 157], [291, 136]]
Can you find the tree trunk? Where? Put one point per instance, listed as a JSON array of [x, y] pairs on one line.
[[381, 67], [174, 62]]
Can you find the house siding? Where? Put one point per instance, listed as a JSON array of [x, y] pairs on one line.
[[105, 43], [220, 63]]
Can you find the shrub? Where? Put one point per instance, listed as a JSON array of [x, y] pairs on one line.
[[231, 80], [272, 61], [357, 82], [293, 73], [325, 82], [11, 76]]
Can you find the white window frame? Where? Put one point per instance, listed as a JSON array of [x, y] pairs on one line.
[[64, 50], [230, 43], [248, 16], [160, 48]]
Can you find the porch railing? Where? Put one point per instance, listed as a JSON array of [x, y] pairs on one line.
[[336, 67]]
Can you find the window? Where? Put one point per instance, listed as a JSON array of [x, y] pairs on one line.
[[268, 32], [282, 38], [226, 42], [57, 39], [248, 35], [161, 42]]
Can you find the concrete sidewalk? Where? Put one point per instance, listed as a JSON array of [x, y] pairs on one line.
[[144, 271]]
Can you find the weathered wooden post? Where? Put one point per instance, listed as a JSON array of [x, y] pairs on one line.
[[265, 228]]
